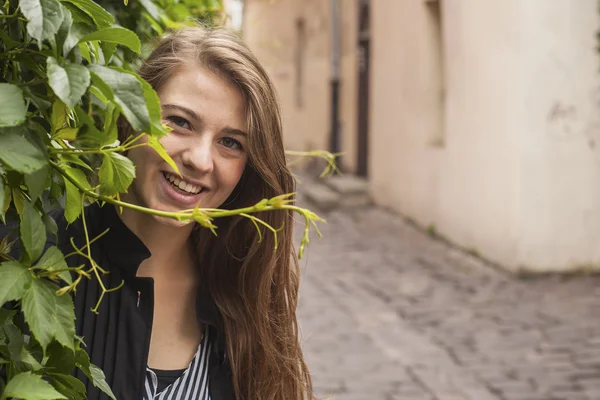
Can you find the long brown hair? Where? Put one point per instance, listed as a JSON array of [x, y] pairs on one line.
[[253, 284]]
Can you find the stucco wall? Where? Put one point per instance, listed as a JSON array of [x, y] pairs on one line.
[[517, 178], [270, 31]]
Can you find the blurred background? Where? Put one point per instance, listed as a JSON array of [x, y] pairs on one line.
[[460, 253]]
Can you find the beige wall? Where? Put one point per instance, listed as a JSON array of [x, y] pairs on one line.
[[486, 126], [270, 31], [517, 179]]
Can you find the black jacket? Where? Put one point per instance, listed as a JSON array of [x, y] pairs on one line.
[[118, 337]]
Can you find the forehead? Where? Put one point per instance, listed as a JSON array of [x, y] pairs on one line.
[[209, 94]]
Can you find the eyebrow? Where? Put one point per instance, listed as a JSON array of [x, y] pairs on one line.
[[193, 115]]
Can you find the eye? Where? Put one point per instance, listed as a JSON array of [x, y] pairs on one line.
[[180, 122], [231, 143]]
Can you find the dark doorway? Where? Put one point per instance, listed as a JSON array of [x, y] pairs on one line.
[[364, 39]]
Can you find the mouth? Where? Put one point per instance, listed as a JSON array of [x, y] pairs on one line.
[[183, 186]]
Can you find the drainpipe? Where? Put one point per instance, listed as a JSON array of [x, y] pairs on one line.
[[334, 134]]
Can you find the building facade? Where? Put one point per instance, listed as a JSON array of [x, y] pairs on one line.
[[478, 118]]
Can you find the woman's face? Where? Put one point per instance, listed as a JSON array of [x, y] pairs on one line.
[[208, 143]]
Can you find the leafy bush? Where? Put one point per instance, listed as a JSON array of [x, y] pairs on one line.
[[66, 77]]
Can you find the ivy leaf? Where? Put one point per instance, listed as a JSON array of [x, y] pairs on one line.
[[30, 360], [37, 181], [19, 201], [16, 280], [99, 15], [82, 361], [48, 315], [111, 117], [53, 260], [64, 320], [116, 174], [68, 385], [45, 18], [115, 35], [32, 231], [160, 149], [50, 224], [19, 154], [77, 31], [69, 82], [58, 118], [74, 200], [15, 342], [39, 309], [99, 380], [31, 387], [153, 104], [2, 197], [12, 105], [127, 92]]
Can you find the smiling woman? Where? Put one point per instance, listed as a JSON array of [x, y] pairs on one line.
[[200, 316]]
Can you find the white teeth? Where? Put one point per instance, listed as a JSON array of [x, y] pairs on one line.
[[185, 186]]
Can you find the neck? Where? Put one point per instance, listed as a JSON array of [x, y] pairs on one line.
[[168, 244]]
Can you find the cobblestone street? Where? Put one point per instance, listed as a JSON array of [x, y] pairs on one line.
[[388, 313]]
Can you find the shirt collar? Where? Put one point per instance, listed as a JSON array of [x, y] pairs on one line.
[[125, 251]]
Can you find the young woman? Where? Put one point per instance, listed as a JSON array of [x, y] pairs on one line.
[[200, 316]]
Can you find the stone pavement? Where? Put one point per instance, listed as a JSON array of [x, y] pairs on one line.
[[388, 313]]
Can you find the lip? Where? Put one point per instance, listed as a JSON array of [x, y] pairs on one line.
[[188, 180], [182, 198]]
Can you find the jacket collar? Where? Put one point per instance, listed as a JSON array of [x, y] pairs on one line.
[[125, 251]]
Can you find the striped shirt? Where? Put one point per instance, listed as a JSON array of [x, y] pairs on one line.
[[192, 384]]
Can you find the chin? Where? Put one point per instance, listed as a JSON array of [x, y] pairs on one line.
[[164, 221]]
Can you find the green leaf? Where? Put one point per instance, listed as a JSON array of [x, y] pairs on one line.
[[39, 307], [99, 380], [153, 104], [67, 134], [101, 17], [127, 93], [18, 153], [82, 361], [37, 181], [64, 321], [88, 133], [77, 31], [151, 8], [31, 387], [115, 35], [3, 192], [68, 385], [16, 280], [60, 359], [98, 93], [64, 30], [69, 82], [15, 341], [160, 149], [30, 360], [74, 201], [12, 105], [58, 118], [116, 174], [18, 200], [32, 231], [45, 18], [54, 260], [108, 49], [111, 117], [50, 224]]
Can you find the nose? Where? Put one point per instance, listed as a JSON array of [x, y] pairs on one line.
[[198, 156]]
